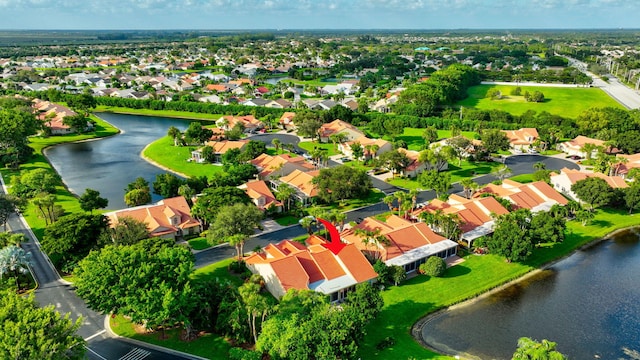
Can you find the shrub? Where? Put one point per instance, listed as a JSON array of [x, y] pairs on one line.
[[237, 267], [435, 266], [385, 343], [382, 270], [242, 354]]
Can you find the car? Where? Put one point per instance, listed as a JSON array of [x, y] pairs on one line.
[[306, 156], [345, 159], [574, 157]]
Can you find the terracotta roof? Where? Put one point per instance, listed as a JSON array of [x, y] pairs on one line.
[[527, 195], [413, 156], [337, 126], [258, 189], [287, 118], [523, 136], [403, 236], [297, 266], [302, 181], [580, 141], [574, 176], [221, 147], [248, 121], [633, 161], [158, 217], [267, 164]]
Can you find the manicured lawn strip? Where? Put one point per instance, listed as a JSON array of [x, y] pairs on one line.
[[286, 220], [311, 82], [374, 197], [209, 346], [566, 102], [415, 141], [310, 145], [199, 243], [523, 179], [164, 113], [163, 152], [217, 271], [466, 169], [419, 296]]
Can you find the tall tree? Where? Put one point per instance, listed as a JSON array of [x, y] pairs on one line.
[[127, 231], [175, 134], [235, 220], [494, 140], [342, 182], [594, 191], [28, 331], [632, 196], [8, 239], [167, 185], [511, 236], [430, 135], [91, 200], [137, 197], [212, 200], [8, 205], [395, 161], [436, 181], [284, 193]]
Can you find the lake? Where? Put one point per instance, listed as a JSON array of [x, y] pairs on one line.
[[109, 164], [588, 303]]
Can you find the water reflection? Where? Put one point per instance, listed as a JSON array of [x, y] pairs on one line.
[[586, 303], [108, 165]]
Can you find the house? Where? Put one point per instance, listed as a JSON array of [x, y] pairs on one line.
[[249, 122], [535, 196], [476, 215], [256, 102], [279, 104], [338, 126], [575, 146], [53, 116], [567, 177], [169, 218], [302, 182], [372, 147], [219, 149], [261, 196], [274, 167], [292, 265], [407, 244], [626, 163], [286, 120], [415, 166], [521, 139]]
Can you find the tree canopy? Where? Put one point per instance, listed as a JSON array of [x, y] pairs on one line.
[[342, 182], [594, 191]]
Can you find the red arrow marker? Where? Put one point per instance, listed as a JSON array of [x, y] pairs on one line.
[[335, 245]]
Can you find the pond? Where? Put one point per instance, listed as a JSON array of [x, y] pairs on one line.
[[109, 164], [587, 303]]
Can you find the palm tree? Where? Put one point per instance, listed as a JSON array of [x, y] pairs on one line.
[[13, 258], [618, 162], [284, 192], [306, 223], [469, 187], [588, 149], [337, 138], [276, 144], [339, 218], [413, 194], [389, 199], [238, 240], [585, 216], [174, 133], [401, 197], [371, 150], [373, 238], [539, 166], [501, 172]]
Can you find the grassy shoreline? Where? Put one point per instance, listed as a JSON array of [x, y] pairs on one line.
[[163, 113]]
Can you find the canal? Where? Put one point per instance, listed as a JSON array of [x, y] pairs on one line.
[[587, 303], [109, 164]]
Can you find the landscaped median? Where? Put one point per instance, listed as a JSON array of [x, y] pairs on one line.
[[174, 158], [162, 113]]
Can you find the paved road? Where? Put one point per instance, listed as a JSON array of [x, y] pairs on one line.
[[519, 164], [626, 96], [54, 291]]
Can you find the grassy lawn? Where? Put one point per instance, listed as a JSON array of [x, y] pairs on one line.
[[419, 296], [414, 140], [286, 220], [175, 158], [65, 198], [163, 113], [465, 170], [310, 145], [209, 346], [374, 197], [523, 179], [199, 243], [567, 102]]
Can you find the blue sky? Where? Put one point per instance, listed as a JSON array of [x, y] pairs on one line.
[[318, 14]]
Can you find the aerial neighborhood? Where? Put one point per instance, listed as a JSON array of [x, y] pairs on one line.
[[310, 196]]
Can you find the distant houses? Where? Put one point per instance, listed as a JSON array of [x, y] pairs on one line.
[[535, 196], [339, 127], [372, 148], [259, 192], [521, 139], [577, 146], [219, 148], [53, 116], [274, 167], [563, 181]]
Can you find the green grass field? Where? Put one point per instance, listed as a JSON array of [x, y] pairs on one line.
[[465, 170], [163, 152], [310, 145], [566, 102], [164, 113], [198, 243]]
